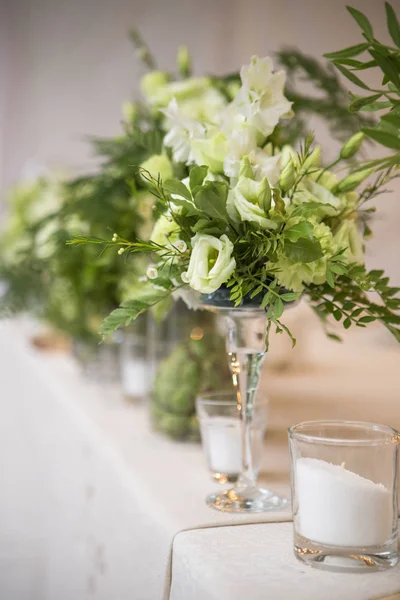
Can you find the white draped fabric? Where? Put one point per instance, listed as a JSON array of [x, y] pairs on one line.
[[257, 562], [91, 500]]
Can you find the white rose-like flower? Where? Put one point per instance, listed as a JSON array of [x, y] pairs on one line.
[[211, 262], [261, 99], [182, 131], [243, 203]]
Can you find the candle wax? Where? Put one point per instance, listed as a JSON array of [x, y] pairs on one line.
[[340, 508], [224, 445], [135, 378]]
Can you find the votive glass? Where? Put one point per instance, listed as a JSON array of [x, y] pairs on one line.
[[344, 494], [221, 431]]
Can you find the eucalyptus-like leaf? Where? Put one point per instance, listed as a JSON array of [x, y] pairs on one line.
[[386, 139], [363, 22], [389, 66], [350, 75], [347, 52], [361, 102]]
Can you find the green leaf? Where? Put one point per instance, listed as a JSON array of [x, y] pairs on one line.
[[304, 229], [359, 103], [350, 75], [334, 337], [290, 296], [303, 250], [337, 315], [211, 199], [366, 319], [392, 24], [279, 307], [130, 310], [384, 138], [389, 66], [173, 186], [347, 52], [379, 105], [211, 227], [197, 176], [362, 21], [330, 279], [280, 207], [122, 316], [347, 323]]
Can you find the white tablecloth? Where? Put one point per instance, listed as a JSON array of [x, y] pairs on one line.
[[256, 562], [91, 499]]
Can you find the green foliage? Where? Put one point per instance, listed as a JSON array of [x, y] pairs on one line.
[[330, 102], [386, 58], [347, 299]]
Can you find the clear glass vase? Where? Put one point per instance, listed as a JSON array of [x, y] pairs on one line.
[[245, 345]]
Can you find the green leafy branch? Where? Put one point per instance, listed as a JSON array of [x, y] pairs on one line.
[[346, 298], [387, 59]]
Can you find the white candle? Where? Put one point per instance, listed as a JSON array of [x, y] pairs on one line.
[[135, 378], [224, 445], [340, 508]]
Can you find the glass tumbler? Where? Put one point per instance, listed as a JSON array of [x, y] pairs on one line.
[[220, 429], [344, 494]]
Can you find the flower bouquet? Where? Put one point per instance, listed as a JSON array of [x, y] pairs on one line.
[[253, 226]]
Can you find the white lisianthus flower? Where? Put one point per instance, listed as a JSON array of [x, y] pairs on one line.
[[211, 263], [243, 203], [261, 99], [240, 144], [265, 165], [210, 151], [311, 191], [204, 107], [182, 131]]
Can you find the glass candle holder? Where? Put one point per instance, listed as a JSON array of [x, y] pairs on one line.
[[221, 431], [344, 494]]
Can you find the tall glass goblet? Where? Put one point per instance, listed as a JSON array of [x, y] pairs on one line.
[[245, 345]]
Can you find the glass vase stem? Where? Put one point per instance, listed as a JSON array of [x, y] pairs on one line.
[[245, 364]]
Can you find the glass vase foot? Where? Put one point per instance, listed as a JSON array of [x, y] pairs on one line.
[[249, 500]]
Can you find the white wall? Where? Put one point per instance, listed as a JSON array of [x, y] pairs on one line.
[[70, 66]]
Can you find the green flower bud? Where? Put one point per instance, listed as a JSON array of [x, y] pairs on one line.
[[232, 89], [184, 61], [152, 82], [352, 181], [264, 195], [288, 176], [313, 160], [158, 164], [129, 111], [352, 146]]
